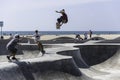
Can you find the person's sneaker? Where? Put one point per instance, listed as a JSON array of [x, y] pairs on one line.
[[43, 52], [8, 57], [13, 58]]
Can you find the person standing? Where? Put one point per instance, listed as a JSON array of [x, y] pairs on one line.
[[85, 36], [37, 41], [90, 34]]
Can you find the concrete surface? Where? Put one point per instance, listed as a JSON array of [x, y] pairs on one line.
[[66, 61]]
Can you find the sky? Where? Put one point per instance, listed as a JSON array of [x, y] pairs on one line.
[[83, 15]]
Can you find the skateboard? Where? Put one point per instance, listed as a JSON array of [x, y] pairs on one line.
[[58, 26], [12, 60]]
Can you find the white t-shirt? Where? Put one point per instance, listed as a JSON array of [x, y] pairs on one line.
[[37, 37]]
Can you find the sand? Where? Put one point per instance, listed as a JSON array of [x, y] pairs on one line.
[[49, 37]]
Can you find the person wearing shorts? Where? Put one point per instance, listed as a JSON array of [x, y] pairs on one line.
[[11, 46]]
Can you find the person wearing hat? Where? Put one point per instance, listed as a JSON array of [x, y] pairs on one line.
[[11, 46], [37, 40]]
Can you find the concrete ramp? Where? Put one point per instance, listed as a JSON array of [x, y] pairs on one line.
[[96, 61], [32, 66], [109, 69], [97, 53], [39, 68]]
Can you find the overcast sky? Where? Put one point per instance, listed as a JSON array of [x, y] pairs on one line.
[[83, 15]]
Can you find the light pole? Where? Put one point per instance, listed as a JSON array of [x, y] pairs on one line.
[[1, 25]]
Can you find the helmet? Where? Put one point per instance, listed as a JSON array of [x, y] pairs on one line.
[[16, 36]]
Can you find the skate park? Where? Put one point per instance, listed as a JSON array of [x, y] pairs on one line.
[[85, 60]]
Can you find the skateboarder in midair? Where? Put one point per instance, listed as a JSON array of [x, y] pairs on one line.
[[62, 19], [11, 47], [37, 40]]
